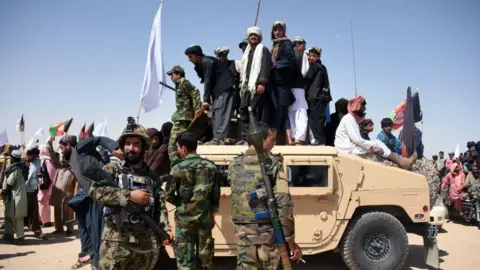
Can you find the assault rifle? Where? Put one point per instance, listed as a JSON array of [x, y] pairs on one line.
[[272, 213], [88, 167]]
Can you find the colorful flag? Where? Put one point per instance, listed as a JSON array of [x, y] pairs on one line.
[[89, 131], [21, 124], [398, 113], [81, 136], [408, 132], [60, 128], [154, 69]]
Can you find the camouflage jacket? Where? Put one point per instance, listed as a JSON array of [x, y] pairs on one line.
[[115, 196], [280, 190], [187, 100], [193, 191]]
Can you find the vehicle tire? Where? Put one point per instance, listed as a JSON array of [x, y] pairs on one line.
[[375, 240]]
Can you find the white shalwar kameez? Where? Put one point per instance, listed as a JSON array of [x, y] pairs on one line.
[[349, 140], [297, 112]]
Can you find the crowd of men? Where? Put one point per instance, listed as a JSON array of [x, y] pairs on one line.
[[287, 87], [288, 90], [459, 174]]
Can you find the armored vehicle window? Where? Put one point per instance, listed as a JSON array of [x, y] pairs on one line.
[[222, 174], [307, 176]]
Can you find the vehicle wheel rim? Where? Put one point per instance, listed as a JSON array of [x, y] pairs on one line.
[[376, 246]]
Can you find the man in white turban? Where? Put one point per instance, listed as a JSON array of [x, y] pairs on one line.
[[254, 91]]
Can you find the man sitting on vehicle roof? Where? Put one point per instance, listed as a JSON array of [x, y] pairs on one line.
[[349, 140]]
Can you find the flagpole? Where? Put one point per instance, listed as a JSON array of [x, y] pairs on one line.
[[139, 109], [258, 11], [353, 54]]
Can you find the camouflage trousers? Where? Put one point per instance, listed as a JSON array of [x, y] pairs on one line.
[[194, 248], [256, 248], [116, 256], [178, 127]]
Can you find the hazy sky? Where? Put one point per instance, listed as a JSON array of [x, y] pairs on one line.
[[86, 59]]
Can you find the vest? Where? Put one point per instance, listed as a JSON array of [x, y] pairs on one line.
[[247, 181], [128, 180]]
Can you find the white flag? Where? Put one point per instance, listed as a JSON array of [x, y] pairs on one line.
[[3, 138], [39, 133], [30, 144], [154, 70], [101, 129], [457, 151]]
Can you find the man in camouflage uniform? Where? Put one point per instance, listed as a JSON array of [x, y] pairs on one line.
[[196, 197], [187, 100], [122, 242], [256, 248]]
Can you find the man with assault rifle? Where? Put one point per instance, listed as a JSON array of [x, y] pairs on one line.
[[262, 207]]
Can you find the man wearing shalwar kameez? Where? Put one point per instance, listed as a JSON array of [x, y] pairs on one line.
[[15, 197], [297, 112], [317, 87], [32, 220], [283, 76], [255, 90]]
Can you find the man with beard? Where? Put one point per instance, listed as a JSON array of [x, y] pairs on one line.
[[187, 102], [472, 183], [297, 113], [196, 198], [301, 55], [32, 220], [349, 140], [64, 186], [157, 158], [15, 197], [284, 75], [254, 90], [123, 244], [331, 127], [219, 90], [227, 128], [317, 86]]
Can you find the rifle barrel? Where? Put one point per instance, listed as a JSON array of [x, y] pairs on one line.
[[167, 86]]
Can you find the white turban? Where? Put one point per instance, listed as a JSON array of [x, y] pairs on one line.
[[254, 30], [16, 154], [222, 50]]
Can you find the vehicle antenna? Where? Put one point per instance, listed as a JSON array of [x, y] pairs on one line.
[[353, 54]]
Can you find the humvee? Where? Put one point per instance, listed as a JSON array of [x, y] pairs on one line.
[[344, 203]]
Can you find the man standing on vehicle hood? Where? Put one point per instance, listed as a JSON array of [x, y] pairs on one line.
[[256, 245], [218, 92]]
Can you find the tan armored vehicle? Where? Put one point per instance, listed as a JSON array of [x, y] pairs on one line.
[[363, 208]]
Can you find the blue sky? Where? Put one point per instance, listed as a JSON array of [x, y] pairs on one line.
[[86, 59]]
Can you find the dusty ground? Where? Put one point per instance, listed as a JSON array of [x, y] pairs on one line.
[[458, 245]]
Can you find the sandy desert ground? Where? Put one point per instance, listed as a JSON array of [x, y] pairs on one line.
[[459, 245]]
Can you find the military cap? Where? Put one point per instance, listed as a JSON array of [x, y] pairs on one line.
[[243, 43], [16, 154], [299, 39], [316, 50], [176, 69], [222, 50], [194, 49]]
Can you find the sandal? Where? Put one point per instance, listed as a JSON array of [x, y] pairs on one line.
[[81, 264]]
